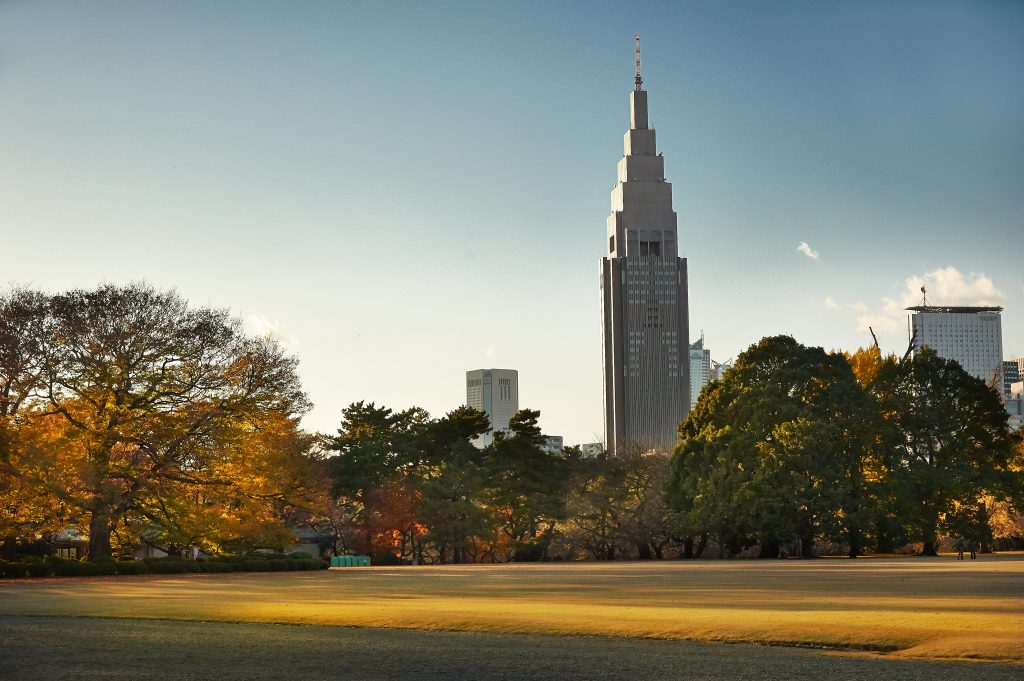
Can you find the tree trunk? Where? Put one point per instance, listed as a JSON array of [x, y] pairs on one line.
[[688, 548], [807, 547], [702, 544], [929, 549], [644, 550], [986, 533], [769, 549], [854, 539], [99, 537]]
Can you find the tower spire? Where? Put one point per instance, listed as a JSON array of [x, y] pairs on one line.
[[638, 80]]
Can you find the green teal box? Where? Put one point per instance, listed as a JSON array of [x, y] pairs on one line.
[[350, 561]]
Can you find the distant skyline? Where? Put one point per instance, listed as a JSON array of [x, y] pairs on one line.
[[408, 192]]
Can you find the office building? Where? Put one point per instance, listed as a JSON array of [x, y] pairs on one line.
[[553, 444], [701, 372], [973, 336], [645, 320], [1011, 375], [495, 392]]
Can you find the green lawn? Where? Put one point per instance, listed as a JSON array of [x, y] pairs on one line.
[[921, 608]]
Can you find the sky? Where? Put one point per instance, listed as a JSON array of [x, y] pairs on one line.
[[401, 192]]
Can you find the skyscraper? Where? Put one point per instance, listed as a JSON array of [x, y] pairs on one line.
[[973, 336], [700, 369], [645, 317], [495, 392]]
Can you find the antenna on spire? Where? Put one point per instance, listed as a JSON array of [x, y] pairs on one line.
[[924, 293], [638, 80]]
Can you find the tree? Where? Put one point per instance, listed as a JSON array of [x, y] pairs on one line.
[[151, 390], [24, 324], [527, 486], [771, 451], [377, 449], [451, 505], [947, 442]]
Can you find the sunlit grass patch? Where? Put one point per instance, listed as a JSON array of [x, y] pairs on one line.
[[923, 608]]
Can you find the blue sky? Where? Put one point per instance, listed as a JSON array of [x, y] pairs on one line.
[[403, 192]]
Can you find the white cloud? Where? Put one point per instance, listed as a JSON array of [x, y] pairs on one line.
[[258, 325], [948, 286], [831, 304], [807, 250], [488, 351], [945, 286]]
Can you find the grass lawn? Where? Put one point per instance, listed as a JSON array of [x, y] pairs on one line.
[[919, 608]]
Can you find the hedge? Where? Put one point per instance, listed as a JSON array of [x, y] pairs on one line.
[[52, 566]]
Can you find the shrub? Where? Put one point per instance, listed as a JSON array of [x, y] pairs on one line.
[[132, 567], [37, 568], [255, 565], [169, 566], [278, 564], [215, 566], [299, 555], [73, 568], [12, 569]]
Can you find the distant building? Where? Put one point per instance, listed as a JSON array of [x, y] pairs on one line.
[[700, 369], [1011, 375], [553, 444], [495, 392], [718, 369], [592, 449], [645, 319], [703, 369], [972, 336], [1015, 406]]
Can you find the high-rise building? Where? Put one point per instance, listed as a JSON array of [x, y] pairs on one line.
[[1011, 375], [973, 336], [645, 317], [495, 392], [700, 369]]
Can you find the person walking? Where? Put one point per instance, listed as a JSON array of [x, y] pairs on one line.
[[972, 546], [959, 547]]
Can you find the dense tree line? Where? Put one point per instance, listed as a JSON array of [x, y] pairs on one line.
[[796, 445], [134, 418]]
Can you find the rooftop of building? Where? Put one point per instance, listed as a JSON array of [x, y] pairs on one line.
[[953, 309]]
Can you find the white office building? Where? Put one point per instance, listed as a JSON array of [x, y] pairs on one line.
[[495, 392], [645, 318], [973, 336], [701, 372], [553, 444]]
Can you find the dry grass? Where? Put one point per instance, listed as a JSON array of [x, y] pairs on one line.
[[915, 607]]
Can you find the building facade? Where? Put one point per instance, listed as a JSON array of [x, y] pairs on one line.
[[973, 336], [645, 317], [700, 369], [553, 444], [495, 392], [1011, 375]]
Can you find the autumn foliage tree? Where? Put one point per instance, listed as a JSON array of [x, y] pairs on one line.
[[145, 410]]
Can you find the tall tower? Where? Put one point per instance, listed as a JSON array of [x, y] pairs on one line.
[[643, 288]]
